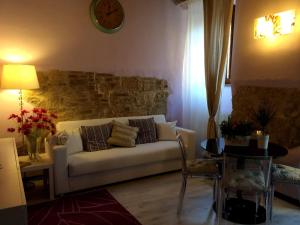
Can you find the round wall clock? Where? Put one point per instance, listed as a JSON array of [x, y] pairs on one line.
[[107, 15]]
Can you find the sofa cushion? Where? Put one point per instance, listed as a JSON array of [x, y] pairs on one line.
[[99, 161], [147, 130], [166, 131], [74, 142], [123, 135], [95, 137]]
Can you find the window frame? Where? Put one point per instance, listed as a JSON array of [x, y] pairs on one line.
[[230, 48]]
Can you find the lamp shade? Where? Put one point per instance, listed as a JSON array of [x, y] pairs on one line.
[[16, 76]]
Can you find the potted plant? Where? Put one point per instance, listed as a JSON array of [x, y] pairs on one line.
[[236, 133], [35, 126], [263, 116]]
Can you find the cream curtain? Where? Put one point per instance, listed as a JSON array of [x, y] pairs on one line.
[[217, 20], [194, 114]]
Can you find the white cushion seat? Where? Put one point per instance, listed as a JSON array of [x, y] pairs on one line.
[[116, 158]]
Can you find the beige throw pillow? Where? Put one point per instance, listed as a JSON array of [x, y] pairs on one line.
[[166, 131], [123, 135]]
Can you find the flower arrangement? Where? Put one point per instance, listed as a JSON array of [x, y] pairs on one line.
[[231, 129], [37, 123]]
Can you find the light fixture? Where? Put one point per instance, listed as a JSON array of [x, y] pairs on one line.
[[274, 24], [18, 76]]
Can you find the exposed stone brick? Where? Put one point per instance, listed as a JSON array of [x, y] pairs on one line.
[[77, 95]]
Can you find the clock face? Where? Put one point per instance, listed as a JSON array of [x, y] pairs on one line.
[[107, 15]]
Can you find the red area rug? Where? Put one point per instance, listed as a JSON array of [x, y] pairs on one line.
[[93, 208]]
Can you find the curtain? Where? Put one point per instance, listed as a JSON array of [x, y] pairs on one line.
[[194, 114], [217, 20]]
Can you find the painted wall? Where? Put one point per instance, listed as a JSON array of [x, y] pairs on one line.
[[59, 35], [265, 62]]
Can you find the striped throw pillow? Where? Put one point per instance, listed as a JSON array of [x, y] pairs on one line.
[[95, 137], [123, 135], [147, 130]]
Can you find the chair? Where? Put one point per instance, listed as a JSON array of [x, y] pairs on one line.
[[245, 178], [204, 168], [284, 174]]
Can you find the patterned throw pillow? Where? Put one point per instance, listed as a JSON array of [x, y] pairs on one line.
[[123, 135], [95, 137], [147, 130], [60, 138]]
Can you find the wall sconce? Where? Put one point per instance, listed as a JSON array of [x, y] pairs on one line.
[[274, 24]]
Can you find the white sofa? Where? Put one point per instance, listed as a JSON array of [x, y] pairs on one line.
[[81, 170]]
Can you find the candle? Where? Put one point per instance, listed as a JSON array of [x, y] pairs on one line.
[[258, 132]]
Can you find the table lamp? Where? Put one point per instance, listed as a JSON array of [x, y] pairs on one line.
[[19, 76]]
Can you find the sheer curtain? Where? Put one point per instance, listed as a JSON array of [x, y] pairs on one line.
[[195, 113]]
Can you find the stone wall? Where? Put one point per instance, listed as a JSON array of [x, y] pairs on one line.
[[75, 95], [285, 127]]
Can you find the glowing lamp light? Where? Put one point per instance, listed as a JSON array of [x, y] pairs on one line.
[[17, 76], [274, 25]]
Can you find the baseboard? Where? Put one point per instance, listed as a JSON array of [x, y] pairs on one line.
[[287, 198]]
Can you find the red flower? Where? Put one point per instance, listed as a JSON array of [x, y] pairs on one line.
[[26, 126], [19, 119], [32, 122], [35, 110], [24, 111], [35, 119], [45, 119], [12, 116]]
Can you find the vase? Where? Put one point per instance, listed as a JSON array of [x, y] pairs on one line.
[[33, 145], [263, 141], [238, 141]]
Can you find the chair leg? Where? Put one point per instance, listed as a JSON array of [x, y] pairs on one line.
[[271, 202], [181, 195], [257, 203], [214, 190], [219, 202], [267, 206]]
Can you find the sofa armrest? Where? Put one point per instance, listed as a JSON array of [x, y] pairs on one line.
[[60, 168], [189, 139]]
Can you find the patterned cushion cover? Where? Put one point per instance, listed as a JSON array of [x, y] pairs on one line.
[[285, 174], [247, 180], [123, 135], [147, 130], [95, 137], [202, 166], [60, 138]]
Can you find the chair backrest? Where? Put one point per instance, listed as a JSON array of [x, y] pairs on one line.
[[182, 151], [246, 173]]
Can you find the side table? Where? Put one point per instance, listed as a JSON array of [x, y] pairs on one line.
[[45, 164]]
